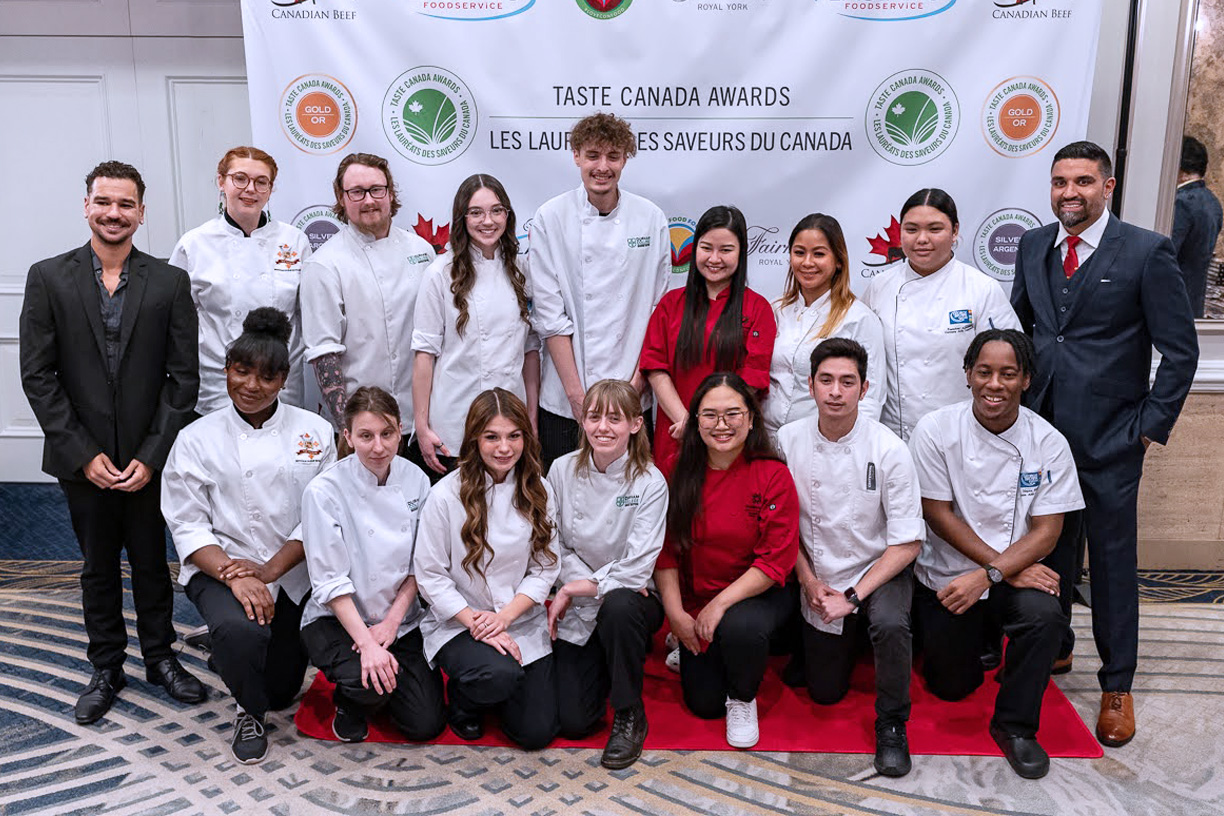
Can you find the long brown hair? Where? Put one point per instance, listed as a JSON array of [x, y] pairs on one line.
[[616, 396], [689, 474], [463, 271], [530, 495], [840, 296]]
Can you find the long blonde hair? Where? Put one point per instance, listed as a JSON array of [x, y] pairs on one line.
[[840, 296], [616, 396], [530, 495]]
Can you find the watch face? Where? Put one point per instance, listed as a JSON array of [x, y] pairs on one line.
[[994, 575]]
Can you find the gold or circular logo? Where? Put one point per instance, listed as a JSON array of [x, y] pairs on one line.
[[318, 113], [1020, 116]]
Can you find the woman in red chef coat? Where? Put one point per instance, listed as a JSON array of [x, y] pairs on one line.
[[715, 323], [732, 539]]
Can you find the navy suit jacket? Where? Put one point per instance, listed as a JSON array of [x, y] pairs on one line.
[[1197, 220], [63, 362], [1094, 361]]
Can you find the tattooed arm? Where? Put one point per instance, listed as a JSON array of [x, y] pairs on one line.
[[331, 383]]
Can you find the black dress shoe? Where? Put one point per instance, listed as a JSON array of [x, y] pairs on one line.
[[628, 735], [1025, 755], [98, 696], [181, 684], [466, 728], [892, 756]]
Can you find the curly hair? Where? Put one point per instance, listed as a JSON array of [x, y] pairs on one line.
[[603, 129]]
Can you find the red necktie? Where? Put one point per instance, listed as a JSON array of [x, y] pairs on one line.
[[1071, 262]]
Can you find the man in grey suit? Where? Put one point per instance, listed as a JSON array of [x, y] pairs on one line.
[[1097, 294], [109, 364], [1197, 219]]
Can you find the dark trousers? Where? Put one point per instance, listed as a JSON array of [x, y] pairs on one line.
[[107, 522], [952, 667], [415, 705], [610, 666], [262, 665], [414, 456], [734, 663], [481, 678], [558, 436], [829, 659]]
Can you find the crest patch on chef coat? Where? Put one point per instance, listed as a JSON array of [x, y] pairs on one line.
[[1030, 480], [309, 448], [287, 257], [960, 320]]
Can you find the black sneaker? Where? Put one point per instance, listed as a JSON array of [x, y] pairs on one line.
[[350, 725], [625, 743], [250, 744], [892, 756]]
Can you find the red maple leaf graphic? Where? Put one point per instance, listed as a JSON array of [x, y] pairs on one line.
[[604, 5], [888, 245], [436, 239]]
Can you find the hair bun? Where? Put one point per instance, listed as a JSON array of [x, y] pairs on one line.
[[270, 321]]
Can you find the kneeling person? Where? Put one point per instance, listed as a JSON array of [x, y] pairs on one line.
[[996, 480], [861, 527]]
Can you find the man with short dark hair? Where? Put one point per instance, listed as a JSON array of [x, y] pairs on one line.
[[109, 364], [1197, 219], [1096, 294]]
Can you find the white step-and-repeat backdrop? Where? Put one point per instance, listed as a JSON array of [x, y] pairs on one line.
[[781, 107]]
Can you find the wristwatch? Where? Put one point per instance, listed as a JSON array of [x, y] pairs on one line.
[[852, 597], [992, 572]]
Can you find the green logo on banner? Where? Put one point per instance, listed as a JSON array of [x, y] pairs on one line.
[[604, 9], [912, 117], [429, 115]]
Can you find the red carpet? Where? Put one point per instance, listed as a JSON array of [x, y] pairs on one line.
[[789, 720]]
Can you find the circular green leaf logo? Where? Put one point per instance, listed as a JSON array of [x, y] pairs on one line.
[[912, 117], [429, 115]]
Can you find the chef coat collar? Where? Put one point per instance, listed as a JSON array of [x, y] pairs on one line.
[[912, 274], [274, 421], [237, 230], [588, 208], [850, 437], [367, 479]]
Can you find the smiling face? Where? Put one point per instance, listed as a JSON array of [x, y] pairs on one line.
[[250, 389], [113, 210], [927, 235], [243, 203], [375, 438], [489, 224], [369, 215], [996, 382], [600, 166], [608, 431], [837, 388], [717, 258], [501, 446], [1079, 192], [813, 263], [723, 421]]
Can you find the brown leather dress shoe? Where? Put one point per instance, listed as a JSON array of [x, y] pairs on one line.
[[1116, 725], [1062, 665]]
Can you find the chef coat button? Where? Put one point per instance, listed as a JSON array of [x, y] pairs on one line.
[[394, 355], [242, 436], [590, 296], [607, 521], [616, 221], [816, 484], [578, 515], [371, 532], [1059, 338], [275, 432], [280, 470], [249, 474], [819, 552], [404, 528], [256, 516], [237, 313], [817, 521]]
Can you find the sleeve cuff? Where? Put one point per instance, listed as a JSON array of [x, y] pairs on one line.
[[315, 352], [427, 342], [903, 531], [329, 591]]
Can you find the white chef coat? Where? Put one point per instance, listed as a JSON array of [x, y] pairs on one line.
[[231, 275], [358, 297], [488, 355], [858, 496], [996, 483], [597, 279], [929, 323], [610, 531], [240, 488], [359, 538], [511, 571], [791, 364]]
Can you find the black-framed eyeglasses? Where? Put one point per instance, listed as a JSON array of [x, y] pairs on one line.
[[241, 181], [359, 193]]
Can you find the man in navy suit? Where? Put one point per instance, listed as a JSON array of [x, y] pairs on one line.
[[1097, 294], [1197, 219]]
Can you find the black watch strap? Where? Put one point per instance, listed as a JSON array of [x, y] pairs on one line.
[[993, 573], [852, 597]]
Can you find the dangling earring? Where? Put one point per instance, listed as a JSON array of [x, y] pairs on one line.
[[220, 202]]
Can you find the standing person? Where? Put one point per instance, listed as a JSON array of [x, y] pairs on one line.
[[359, 290], [361, 625], [612, 515], [715, 323], [732, 539], [600, 260], [861, 526], [996, 480], [108, 363], [1096, 294], [238, 261], [232, 497], [816, 304], [1197, 219], [486, 565], [931, 306], [471, 331]]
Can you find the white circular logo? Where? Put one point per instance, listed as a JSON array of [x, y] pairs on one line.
[[318, 113], [429, 115], [912, 117], [1020, 116], [997, 241]]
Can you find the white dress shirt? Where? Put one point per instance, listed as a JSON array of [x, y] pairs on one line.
[[791, 364], [510, 571], [996, 482], [596, 278], [231, 275], [1090, 239], [359, 537], [358, 297], [488, 355], [929, 323], [611, 532], [240, 488], [858, 496]]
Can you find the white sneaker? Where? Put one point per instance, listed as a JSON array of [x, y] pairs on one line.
[[673, 660], [671, 641], [742, 731]]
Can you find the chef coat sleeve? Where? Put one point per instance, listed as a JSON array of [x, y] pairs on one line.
[[541, 573], [927, 448], [186, 499], [548, 313], [431, 554], [869, 333], [759, 336], [658, 345], [327, 556], [777, 544], [429, 319], [323, 319], [997, 313], [902, 497]]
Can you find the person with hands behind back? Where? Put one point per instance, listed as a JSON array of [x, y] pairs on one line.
[[361, 625], [732, 539], [996, 481], [231, 495]]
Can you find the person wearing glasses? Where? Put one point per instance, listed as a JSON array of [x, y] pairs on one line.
[[360, 289], [732, 540], [239, 261], [471, 331]]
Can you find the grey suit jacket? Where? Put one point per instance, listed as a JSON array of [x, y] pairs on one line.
[[1094, 360]]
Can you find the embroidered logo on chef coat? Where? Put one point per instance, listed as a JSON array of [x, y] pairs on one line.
[[309, 448], [628, 501], [413, 504], [1029, 482], [419, 259], [286, 257], [960, 320], [755, 502], [641, 242]]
